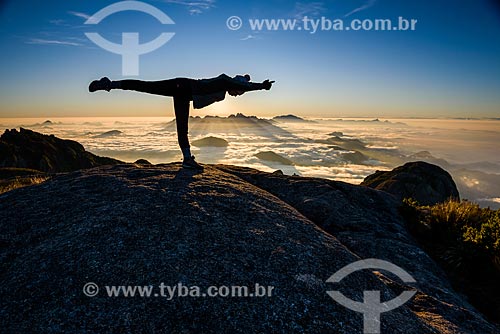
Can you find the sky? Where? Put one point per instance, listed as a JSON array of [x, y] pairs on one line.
[[449, 66]]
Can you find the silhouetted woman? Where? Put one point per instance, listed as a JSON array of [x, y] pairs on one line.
[[202, 92]]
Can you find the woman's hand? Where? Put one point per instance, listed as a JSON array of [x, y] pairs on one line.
[[266, 84]]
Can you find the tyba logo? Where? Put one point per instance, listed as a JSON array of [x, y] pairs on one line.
[[130, 49], [371, 307]]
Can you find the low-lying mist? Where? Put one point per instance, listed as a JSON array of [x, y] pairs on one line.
[[341, 149]]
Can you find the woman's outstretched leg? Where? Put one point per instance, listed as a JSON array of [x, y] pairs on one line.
[[164, 87], [170, 87]]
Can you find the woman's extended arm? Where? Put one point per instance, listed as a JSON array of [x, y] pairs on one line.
[[241, 86]]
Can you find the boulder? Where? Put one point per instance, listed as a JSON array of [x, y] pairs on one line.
[[426, 183]]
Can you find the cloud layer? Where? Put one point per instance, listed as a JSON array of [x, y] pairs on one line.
[[345, 150]]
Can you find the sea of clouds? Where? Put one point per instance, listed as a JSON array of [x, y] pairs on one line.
[[341, 149]]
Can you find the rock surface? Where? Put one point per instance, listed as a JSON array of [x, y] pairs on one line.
[[426, 183], [144, 225], [33, 150]]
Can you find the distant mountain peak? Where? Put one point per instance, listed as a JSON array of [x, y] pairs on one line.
[[290, 118]]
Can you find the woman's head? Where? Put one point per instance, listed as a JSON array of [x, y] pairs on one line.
[[241, 78]]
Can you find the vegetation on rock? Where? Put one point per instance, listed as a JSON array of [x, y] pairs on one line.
[[465, 240]]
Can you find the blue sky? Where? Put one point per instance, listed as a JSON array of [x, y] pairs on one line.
[[448, 67]]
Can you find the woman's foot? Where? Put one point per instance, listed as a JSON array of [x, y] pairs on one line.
[[103, 84], [190, 163]]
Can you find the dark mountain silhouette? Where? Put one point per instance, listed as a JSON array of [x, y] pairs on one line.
[[336, 134], [346, 143], [273, 157], [237, 123], [33, 150], [107, 134], [210, 142], [291, 118], [234, 119], [355, 157]]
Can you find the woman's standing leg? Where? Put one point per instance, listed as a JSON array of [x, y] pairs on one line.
[[181, 108]]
